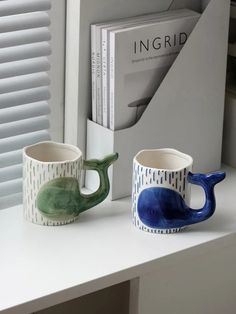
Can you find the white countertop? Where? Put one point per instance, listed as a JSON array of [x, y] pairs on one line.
[[42, 266]]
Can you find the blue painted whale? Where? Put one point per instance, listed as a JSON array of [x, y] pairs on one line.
[[163, 208]]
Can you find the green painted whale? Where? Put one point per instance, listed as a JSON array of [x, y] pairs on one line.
[[60, 199]]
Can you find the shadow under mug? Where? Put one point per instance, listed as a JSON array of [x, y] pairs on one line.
[[161, 191], [51, 182]]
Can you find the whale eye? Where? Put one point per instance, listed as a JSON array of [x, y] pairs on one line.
[[153, 212]]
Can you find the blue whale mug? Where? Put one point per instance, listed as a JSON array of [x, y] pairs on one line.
[[161, 191]]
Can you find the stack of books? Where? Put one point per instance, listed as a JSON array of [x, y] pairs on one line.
[[130, 58]]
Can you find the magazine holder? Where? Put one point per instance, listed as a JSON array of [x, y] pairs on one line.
[[185, 113]]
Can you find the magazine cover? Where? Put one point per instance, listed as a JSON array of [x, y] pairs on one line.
[[99, 59], [103, 32], [140, 57]]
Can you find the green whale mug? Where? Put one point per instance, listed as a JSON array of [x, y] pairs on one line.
[[51, 182]]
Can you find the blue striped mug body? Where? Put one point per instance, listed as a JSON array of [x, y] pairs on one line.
[[159, 183], [161, 191]]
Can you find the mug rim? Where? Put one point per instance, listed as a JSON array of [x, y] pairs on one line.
[[52, 143], [188, 158]]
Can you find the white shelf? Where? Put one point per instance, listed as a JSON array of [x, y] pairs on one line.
[[232, 50], [42, 266]]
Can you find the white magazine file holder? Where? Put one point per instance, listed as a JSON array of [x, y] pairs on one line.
[[185, 113]]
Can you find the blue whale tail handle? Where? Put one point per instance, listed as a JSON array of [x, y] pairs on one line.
[[208, 180]]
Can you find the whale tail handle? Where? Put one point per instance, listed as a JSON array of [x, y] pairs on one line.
[[206, 180]]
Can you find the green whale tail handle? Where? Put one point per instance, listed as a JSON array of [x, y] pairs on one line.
[[101, 166], [60, 199]]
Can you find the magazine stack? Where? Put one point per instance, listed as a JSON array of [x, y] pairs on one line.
[[130, 58]]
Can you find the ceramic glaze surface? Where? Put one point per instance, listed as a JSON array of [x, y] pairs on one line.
[[161, 191], [61, 199], [166, 209], [35, 175], [51, 189]]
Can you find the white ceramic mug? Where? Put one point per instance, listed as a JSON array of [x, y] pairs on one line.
[[51, 182], [161, 191]]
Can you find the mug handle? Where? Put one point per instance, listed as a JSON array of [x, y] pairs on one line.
[[207, 182], [101, 166]]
